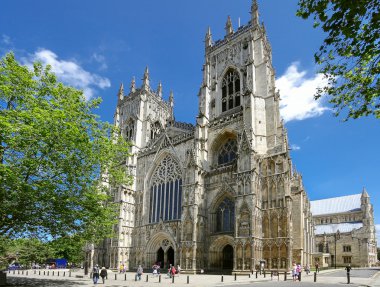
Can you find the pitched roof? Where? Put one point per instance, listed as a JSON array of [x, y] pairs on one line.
[[336, 204], [332, 228]]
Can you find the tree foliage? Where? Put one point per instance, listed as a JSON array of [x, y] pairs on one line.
[[349, 56], [54, 152]]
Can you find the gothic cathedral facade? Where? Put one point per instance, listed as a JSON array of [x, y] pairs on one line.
[[220, 195]]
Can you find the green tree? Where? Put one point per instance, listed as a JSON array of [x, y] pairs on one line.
[[349, 56], [54, 153]]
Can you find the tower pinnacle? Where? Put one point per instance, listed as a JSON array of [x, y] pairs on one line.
[[254, 13], [146, 79], [159, 90], [132, 87], [229, 28], [208, 39], [120, 93]]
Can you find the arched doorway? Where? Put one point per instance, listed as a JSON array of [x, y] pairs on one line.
[[160, 257], [170, 253], [228, 257]]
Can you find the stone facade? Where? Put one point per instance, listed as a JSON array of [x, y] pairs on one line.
[[220, 195], [345, 230]]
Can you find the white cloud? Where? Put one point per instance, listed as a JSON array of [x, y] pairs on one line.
[[295, 147], [297, 94], [5, 39], [70, 72], [377, 226], [101, 60]]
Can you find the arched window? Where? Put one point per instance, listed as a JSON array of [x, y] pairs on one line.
[[227, 152], [230, 90], [225, 216], [166, 191], [130, 130], [155, 130]]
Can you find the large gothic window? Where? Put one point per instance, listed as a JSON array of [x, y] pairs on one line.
[[155, 130], [227, 152], [130, 130], [225, 216], [230, 90], [166, 192]]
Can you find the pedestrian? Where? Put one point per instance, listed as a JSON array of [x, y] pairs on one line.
[[307, 269], [139, 273], [103, 274], [317, 267], [173, 271], [178, 269], [299, 269], [95, 274], [294, 271], [348, 268]]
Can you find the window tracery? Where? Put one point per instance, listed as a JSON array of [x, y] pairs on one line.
[[130, 130], [155, 129], [225, 216], [230, 90], [227, 152], [166, 191]]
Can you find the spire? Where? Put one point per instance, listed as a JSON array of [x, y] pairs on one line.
[[120, 93], [159, 90], [171, 103], [365, 193], [146, 79], [229, 28], [132, 87], [254, 13], [208, 39]]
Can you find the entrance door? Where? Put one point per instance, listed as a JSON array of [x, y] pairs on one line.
[[228, 257], [170, 256], [160, 257]]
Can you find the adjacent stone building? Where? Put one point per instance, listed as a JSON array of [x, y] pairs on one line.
[[220, 195], [345, 231]]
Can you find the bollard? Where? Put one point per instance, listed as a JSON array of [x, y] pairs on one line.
[[252, 271], [64, 273], [53, 273], [115, 276], [22, 272], [235, 276], [188, 279], [299, 276], [264, 274], [222, 278], [159, 279], [58, 273], [285, 274], [173, 278], [70, 273], [256, 274], [35, 271], [18, 272], [147, 278], [125, 277], [271, 275], [48, 273], [44, 272], [249, 275], [315, 276], [348, 277], [26, 272], [39, 272], [14, 272], [260, 271], [278, 276]]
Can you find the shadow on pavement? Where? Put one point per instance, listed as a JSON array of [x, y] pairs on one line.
[[17, 281]]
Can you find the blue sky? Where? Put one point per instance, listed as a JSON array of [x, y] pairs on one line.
[[96, 45]]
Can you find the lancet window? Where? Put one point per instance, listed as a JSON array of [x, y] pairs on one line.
[[166, 191], [230, 90], [227, 152], [225, 216]]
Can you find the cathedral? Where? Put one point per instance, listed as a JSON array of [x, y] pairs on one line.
[[221, 195]]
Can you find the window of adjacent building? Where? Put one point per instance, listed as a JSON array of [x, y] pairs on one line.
[[230, 90], [225, 216], [347, 248], [347, 259], [227, 152], [320, 247], [166, 191]]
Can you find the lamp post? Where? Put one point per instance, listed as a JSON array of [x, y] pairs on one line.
[[336, 237]]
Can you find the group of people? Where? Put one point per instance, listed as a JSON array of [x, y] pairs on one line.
[[172, 271], [296, 272], [96, 272]]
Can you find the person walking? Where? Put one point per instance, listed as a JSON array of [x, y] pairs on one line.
[[103, 274], [317, 267], [139, 273], [95, 274]]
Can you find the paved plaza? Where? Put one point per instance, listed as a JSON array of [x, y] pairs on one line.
[[359, 277]]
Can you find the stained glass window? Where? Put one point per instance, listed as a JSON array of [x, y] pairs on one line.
[[225, 216], [166, 191], [227, 152]]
